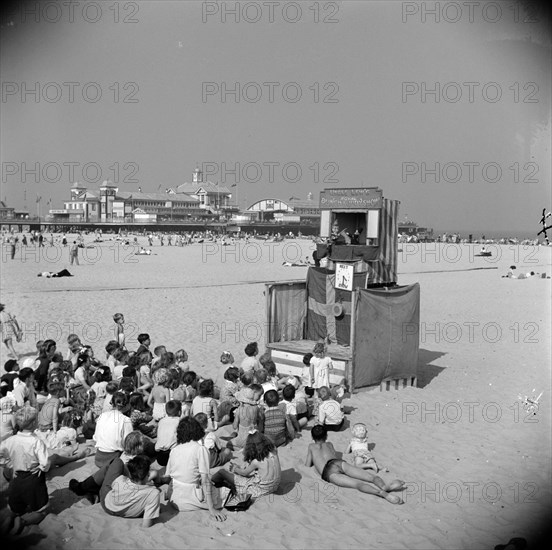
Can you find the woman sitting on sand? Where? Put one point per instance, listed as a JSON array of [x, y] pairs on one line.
[[188, 473]]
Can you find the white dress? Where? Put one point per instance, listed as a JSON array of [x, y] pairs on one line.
[[187, 463], [321, 371]]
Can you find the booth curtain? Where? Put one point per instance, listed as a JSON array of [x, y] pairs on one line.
[[288, 306], [386, 335]]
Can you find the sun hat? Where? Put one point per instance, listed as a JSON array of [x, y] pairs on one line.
[[29, 362]]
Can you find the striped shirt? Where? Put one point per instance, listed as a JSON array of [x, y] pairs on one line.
[[275, 425]]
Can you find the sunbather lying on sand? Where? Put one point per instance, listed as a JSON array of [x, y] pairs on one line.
[[334, 470]]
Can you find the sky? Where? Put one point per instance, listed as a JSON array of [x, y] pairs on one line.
[[329, 94]]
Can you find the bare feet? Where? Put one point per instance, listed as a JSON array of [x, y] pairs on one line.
[[395, 485], [393, 499]]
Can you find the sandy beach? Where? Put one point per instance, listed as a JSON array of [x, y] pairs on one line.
[[476, 464]]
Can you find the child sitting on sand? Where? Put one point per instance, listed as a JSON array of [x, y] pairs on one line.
[[7, 406], [205, 403], [306, 375], [296, 411], [121, 357], [48, 417], [218, 453], [102, 378], [227, 361], [75, 347], [12, 372], [110, 390], [159, 353], [160, 394], [228, 401], [110, 348], [247, 417], [189, 381], [181, 358], [132, 496], [275, 420], [140, 416], [330, 414], [166, 432], [358, 445], [261, 474], [66, 437], [322, 455]]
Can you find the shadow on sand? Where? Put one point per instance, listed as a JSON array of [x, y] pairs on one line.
[[426, 371]]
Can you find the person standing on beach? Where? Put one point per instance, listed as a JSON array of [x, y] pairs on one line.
[[74, 253], [13, 246], [10, 330], [119, 329]]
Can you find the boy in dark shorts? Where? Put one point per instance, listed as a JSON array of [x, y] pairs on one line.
[[27, 455], [322, 455]]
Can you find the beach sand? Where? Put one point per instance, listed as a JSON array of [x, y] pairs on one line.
[[477, 466]]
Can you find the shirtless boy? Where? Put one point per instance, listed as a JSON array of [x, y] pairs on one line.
[[334, 470]]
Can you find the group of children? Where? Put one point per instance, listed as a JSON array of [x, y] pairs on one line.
[[156, 399]]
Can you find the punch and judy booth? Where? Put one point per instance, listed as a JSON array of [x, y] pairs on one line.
[[370, 324]]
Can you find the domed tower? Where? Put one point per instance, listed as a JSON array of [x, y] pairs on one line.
[[108, 191]]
